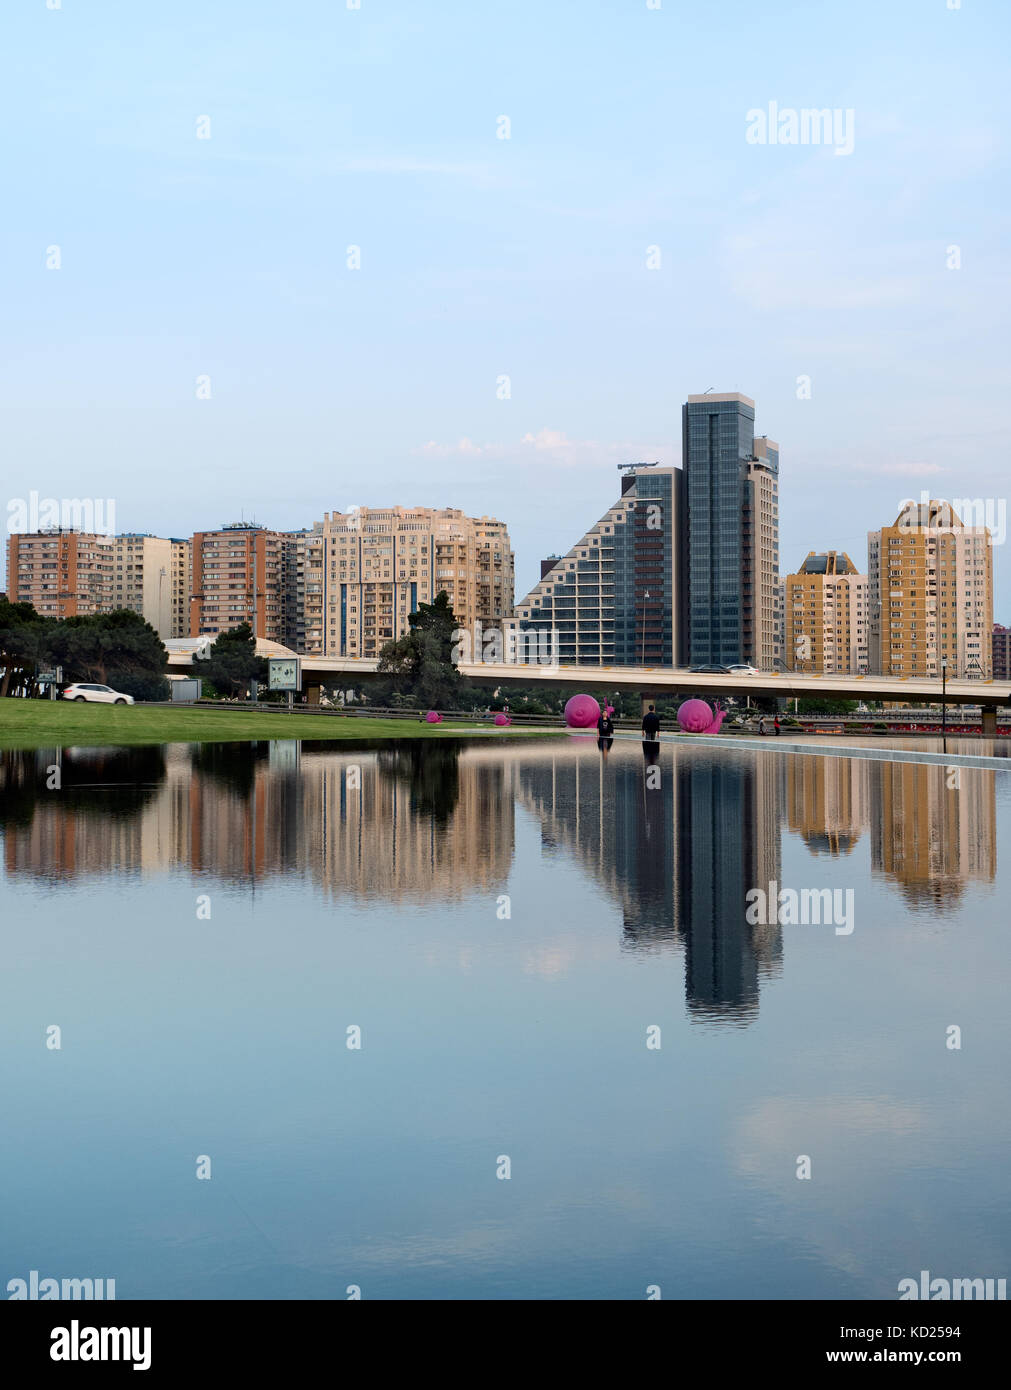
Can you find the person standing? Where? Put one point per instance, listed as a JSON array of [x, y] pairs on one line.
[[775, 724], [650, 725]]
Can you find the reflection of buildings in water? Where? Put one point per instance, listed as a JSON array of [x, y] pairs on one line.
[[730, 810], [826, 802], [678, 857], [440, 827], [401, 836], [678, 851], [74, 810], [933, 828]]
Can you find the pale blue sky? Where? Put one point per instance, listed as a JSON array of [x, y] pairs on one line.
[[482, 257]]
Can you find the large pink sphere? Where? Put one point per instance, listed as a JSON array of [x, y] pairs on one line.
[[581, 712], [433, 717], [694, 716], [502, 719]]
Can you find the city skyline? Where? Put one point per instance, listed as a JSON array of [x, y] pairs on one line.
[[683, 567], [532, 562]]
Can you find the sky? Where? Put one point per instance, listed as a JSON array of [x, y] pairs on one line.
[[205, 353]]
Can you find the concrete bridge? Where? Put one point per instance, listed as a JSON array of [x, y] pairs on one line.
[[649, 682]]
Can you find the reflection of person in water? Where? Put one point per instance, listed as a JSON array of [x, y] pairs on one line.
[[605, 730]]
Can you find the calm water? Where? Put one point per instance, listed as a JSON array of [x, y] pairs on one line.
[[357, 887]]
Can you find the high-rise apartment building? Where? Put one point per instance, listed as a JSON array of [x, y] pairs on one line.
[[760, 556], [1001, 648], [62, 573], [180, 563], [379, 564], [304, 579], [930, 595], [144, 578], [618, 596], [237, 578], [732, 488], [826, 616], [780, 658]]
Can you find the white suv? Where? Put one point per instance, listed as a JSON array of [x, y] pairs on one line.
[[99, 694]]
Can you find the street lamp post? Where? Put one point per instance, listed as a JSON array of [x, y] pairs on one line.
[[944, 695]]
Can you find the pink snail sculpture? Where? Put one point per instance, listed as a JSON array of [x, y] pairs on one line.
[[433, 717], [502, 720], [581, 712], [695, 717]]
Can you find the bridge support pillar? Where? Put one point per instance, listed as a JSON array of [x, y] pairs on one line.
[[989, 721]]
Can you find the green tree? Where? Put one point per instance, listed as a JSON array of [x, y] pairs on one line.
[[832, 705], [421, 662], [118, 649], [232, 662], [22, 646]]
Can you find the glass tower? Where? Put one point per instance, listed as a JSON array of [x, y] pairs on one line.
[[718, 434]]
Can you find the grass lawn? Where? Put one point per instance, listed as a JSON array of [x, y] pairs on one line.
[[53, 723]]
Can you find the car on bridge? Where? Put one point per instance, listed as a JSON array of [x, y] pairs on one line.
[[743, 668], [709, 670]]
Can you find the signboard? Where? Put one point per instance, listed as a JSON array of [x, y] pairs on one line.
[[184, 689], [284, 673], [52, 678]]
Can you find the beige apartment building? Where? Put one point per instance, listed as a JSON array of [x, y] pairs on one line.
[[181, 569], [379, 564], [930, 595], [143, 579], [237, 578], [826, 616], [62, 573], [303, 582], [760, 556]]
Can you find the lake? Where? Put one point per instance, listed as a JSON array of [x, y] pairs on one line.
[[502, 1020]]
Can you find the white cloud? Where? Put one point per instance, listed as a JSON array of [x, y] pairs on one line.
[[551, 446], [900, 469]]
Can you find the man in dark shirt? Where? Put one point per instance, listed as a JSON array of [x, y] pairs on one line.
[[650, 725]]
